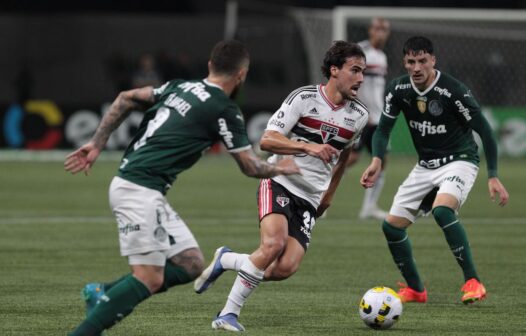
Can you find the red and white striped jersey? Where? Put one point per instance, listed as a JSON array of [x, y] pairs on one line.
[[371, 91], [308, 115]]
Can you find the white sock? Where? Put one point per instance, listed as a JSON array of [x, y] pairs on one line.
[[371, 195], [248, 278], [232, 261], [377, 189]]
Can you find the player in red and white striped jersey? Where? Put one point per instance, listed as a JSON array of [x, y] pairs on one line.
[[316, 126], [372, 95]]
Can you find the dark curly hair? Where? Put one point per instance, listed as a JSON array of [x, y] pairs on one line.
[[337, 54]]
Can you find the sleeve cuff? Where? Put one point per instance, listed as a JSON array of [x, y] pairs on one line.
[[240, 149], [492, 173]]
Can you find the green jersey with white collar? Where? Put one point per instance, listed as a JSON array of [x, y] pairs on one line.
[[440, 119]]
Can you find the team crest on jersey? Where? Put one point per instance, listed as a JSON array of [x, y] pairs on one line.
[[328, 132], [435, 108], [421, 103], [282, 200]]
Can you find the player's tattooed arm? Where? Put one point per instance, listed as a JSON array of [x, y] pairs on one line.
[[84, 158], [127, 101], [253, 166]]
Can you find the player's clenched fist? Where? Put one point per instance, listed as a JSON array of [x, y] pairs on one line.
[[324, 152]]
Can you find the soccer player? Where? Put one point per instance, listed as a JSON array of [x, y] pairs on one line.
[[372, 95], [317, 125], [182, 119], [441, 114]]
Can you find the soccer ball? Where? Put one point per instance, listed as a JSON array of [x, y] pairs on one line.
[[380, 308]]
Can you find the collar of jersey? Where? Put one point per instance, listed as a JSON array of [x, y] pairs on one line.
[[207, 82], [429, 88], [327, 100]]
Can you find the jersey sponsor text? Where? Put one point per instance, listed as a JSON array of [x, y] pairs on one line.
[[427, 127], [462, 109], [403, 86], [197, 89], [277, 123], [225, 133], [443, 91]]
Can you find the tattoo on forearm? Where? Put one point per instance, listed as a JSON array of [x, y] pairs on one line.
[[109, 123], [117, 112], [259, 168]]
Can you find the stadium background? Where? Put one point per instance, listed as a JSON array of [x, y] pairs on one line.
[[63, 64]]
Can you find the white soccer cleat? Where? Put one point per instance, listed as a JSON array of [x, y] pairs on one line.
[[212, 272], [227, 322]]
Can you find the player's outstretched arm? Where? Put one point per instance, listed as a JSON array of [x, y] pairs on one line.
[[277, 143], [127, 101], [497, 188], [83, 158], [338, 172], [253, 166]]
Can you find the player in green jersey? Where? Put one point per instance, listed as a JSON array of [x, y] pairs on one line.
[[182, 119], [441, 114]]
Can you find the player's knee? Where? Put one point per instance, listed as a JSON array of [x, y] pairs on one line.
[[444, 215], [397, 222], [393, 233], [272, 247], [153, 281], [156, 284]]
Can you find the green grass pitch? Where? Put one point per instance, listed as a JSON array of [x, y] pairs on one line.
[[57, 233]]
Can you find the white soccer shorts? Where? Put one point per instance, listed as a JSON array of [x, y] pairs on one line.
[[150, 231], [455, 178]]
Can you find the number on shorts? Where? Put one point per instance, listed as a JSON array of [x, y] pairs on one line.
[[308, 220]]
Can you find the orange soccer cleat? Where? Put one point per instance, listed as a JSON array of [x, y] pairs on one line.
[[473, 291], [407, 294]]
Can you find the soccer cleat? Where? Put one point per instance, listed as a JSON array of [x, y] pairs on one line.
[[407, 294], [91, 294], [473, 291], [212, 272], [227, 322]]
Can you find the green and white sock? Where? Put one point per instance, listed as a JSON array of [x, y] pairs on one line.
[[457, 239], [400, 247]]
